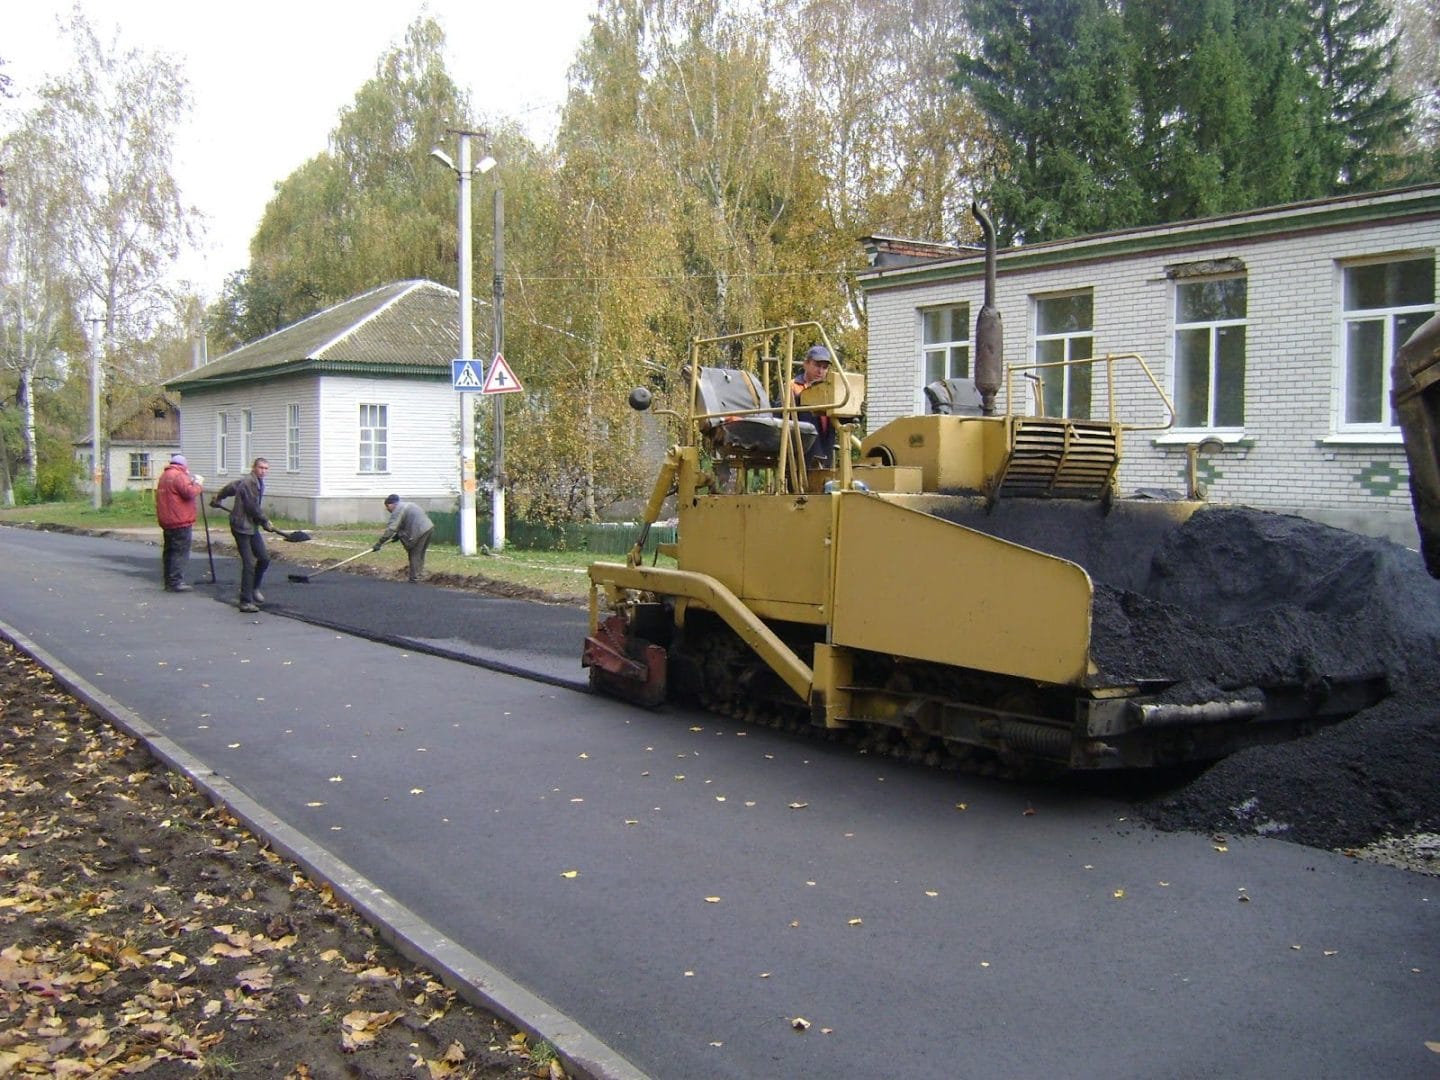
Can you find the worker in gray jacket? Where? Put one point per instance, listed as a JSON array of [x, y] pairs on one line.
[[412, 527], [247, 519]]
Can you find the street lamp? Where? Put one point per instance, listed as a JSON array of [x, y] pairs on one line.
[[467, 334]]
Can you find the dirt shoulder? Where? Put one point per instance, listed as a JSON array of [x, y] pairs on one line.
[[148, 931]]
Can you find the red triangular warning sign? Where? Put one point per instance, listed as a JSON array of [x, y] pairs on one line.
[[500, 380]]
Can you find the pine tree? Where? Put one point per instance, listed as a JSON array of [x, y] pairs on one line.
[[1353, 56], [1056, 81]]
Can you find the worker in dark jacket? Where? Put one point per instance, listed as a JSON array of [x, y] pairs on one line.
[[247, 520], [175, 497], [412, 527], [816, 367]]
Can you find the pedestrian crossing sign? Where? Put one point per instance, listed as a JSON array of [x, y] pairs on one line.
[[501, 379], [465, 375]]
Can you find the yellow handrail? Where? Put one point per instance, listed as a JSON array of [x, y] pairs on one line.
[[1109, 360]]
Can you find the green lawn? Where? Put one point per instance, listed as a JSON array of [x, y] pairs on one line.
[[559, 573]]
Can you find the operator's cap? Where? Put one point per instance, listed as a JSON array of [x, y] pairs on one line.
[[391, 499], [818, 353], [177, 459]]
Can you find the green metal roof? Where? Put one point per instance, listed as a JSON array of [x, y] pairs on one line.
[[1350, 211], [407, 328]]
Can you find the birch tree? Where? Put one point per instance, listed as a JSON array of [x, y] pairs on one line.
[[111, 119]]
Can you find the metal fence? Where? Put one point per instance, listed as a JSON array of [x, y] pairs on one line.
[[603, 538]]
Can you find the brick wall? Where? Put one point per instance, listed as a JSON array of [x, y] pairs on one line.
[[1289, 458]]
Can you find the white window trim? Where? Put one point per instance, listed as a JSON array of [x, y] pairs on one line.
[[1194, 436], [1384, 432], [1068, 336], [359, 464], [923, 346], [222, 438], [247, 432], [292, 437], [1191, 433]]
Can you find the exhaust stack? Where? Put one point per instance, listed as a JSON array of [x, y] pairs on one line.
[[989, 333]]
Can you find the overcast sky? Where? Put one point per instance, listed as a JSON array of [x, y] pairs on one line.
[[269, 78]]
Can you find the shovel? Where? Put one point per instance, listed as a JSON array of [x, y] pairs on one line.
[[209, 552], [299, 536], [327, 569]]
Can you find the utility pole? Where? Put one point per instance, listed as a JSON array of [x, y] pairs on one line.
[[96, 471], [467, 334], [497, 465]]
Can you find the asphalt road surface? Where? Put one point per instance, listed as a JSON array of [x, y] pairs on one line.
[[679, 890]]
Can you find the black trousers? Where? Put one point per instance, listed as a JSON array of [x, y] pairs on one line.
[[175, 555], [254, 561]]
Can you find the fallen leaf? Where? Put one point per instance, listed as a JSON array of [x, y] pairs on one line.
[[1119, 894], [800, 1024], [931, 893], [1029, 811], [798, 805], [1433, 1047], [570, 873], [854, 922], [712, 899]]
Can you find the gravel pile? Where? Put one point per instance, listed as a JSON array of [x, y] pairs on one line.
[[1236, 597]]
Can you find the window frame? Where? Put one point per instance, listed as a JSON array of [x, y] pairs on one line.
[[142, 459], [1213, 328], [1386, 428], [222, 442], [372, 443], [949, 345], [1067, 338], [247, 438], [292, 437]]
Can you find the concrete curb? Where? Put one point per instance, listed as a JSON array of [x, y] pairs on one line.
[[584, 1055]]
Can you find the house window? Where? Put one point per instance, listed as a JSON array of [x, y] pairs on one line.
[[373, 442], [1064, 331], [1383, 305], [1210, 353], [139, 466], [946, 337], [292, 438], [222, 442], [247, 430]]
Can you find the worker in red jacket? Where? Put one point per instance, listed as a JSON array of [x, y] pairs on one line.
[[175, 497]]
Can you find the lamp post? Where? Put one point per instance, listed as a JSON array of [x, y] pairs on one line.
[[497, 463], [467, 333]]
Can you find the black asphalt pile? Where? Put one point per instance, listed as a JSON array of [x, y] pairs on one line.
[[1238, 598]]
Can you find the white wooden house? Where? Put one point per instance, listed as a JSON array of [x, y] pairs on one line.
[[139, 447], [348, 405], [1272, 331]]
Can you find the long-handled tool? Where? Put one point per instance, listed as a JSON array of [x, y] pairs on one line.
[[327, 569], [297, 536], [209, 552]]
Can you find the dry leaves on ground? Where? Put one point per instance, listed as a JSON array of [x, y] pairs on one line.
[[145, 930]]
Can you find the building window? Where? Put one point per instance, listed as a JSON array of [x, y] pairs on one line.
[[1383, 305], [222, 442], [1210, 353], [247, 431], [1064, 328], [292, 438], [373, 443], [946, 337], [139, 466]]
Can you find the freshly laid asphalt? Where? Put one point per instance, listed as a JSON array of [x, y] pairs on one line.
[[665, 893]]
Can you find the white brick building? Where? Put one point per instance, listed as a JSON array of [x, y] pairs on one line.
[[1272, 331]]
